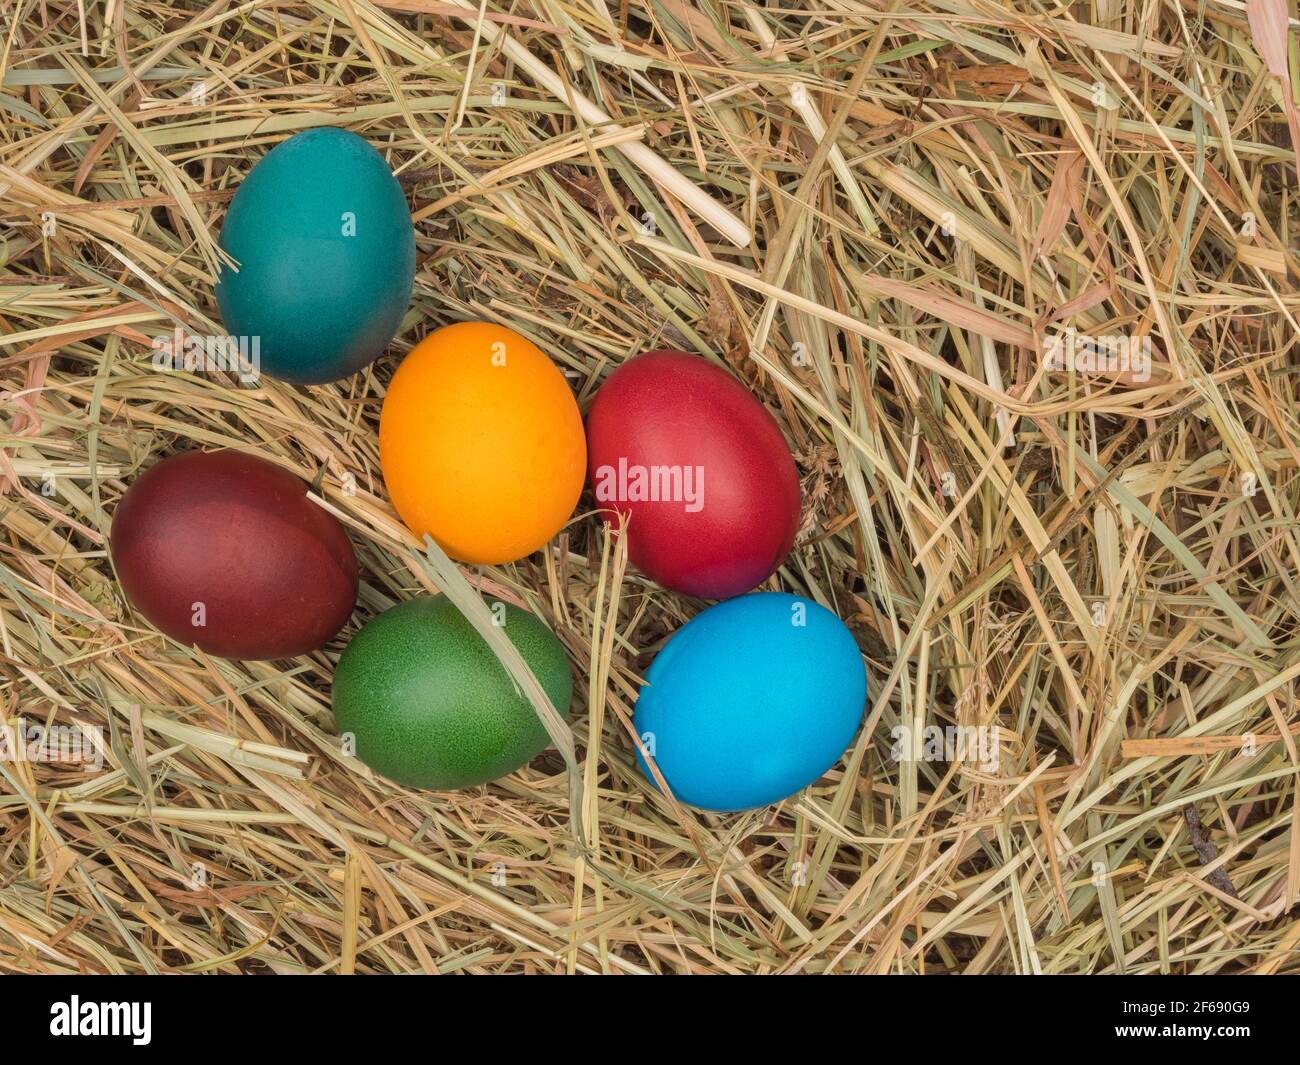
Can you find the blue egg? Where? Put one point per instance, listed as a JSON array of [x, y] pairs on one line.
[[751, 701]]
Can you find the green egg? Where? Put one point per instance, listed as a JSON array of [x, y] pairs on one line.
[[430, 705], [325, 249]]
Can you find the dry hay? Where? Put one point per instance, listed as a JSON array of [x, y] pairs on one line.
[[1100, 566]]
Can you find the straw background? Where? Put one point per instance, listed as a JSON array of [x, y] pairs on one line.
[[1103, 567]]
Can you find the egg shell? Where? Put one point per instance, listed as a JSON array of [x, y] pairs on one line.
[[751, 701], [274, 572], [702, 470], [429, 703], [326, 257], [481, 443]]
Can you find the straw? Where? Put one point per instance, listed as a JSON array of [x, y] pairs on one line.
[[880, 215]]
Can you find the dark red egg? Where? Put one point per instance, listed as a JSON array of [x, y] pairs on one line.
[[226, 551], [701, 470]]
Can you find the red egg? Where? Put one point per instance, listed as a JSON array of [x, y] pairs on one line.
[[226, 551], [701, 470]]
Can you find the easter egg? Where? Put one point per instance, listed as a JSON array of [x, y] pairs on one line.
[[325, 250], [225, 551], [700, 469], [428, 703], [481, 443], [751, 701]]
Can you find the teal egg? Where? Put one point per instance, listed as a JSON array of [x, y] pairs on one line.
[[326, 254]]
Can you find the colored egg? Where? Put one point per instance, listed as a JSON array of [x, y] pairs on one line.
[[225, 551], [481, 443], [326, 258], [700, 468], [751, 701], [429, 705]]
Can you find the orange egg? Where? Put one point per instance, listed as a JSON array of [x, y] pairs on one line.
[[481, 443]]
